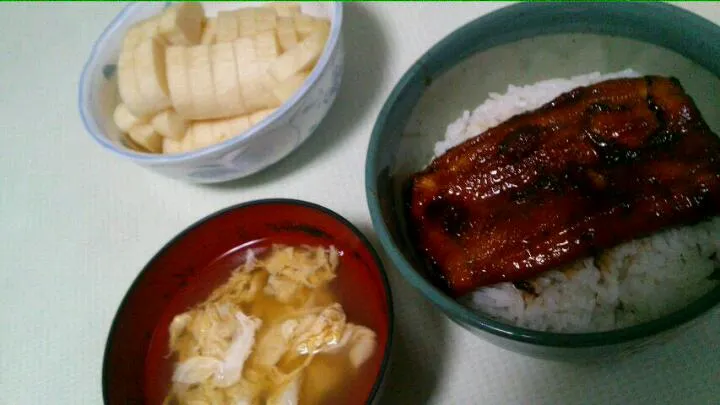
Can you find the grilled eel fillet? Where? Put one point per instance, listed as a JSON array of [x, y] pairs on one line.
[[596, 167]]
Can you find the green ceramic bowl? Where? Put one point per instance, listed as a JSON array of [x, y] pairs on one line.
[[523, 44]]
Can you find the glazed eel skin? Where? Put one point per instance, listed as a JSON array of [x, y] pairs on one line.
[[595, 167]]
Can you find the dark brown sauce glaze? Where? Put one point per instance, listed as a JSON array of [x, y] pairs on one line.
[[593, 168]]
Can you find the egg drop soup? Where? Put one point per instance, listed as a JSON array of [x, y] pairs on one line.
[[281, 325]]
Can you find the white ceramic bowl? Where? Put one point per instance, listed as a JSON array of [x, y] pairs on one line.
[[259, 147]]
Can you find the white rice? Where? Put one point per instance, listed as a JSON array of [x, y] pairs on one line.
[[632, 283]]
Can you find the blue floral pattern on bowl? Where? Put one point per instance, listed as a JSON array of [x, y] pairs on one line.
[[259, 147], [304, 120]]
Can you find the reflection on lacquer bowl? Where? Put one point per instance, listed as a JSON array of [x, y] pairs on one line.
[[295, 297]]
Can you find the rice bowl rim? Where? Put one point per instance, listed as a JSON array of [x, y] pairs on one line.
[[682, 33]]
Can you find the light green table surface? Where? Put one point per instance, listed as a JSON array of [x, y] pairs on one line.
[[77, 224]]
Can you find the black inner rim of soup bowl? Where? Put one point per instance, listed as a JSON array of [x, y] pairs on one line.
[[664, 25], [142, 275]]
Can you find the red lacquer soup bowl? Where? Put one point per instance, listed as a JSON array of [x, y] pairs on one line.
[[137, 368]]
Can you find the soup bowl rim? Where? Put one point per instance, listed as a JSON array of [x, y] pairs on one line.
[[140, 278]]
